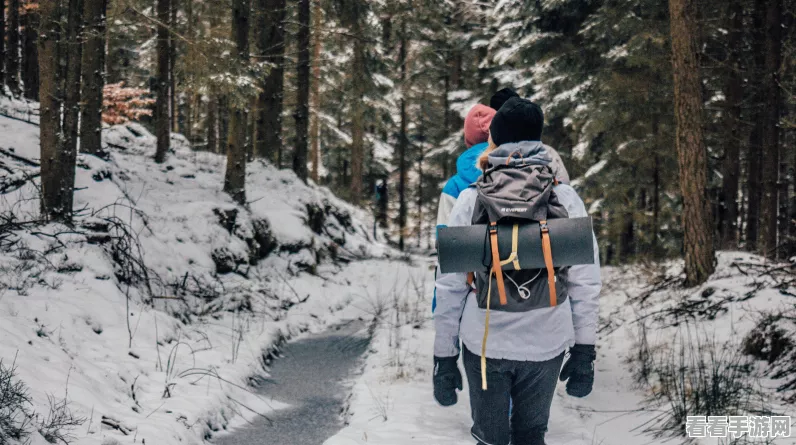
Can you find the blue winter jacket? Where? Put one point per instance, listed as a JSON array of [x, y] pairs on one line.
[[466, 173]]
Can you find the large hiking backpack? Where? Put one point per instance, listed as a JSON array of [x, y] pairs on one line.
[[510, 194]]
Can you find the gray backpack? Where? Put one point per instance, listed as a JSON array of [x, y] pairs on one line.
[[512, 194]]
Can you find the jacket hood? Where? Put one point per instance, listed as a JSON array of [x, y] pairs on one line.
[[466, 164], [524, 152]]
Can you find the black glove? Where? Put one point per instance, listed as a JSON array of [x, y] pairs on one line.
[[579, 370], [447, 379]]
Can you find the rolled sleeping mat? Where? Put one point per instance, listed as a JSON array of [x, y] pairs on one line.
[[467, 248]]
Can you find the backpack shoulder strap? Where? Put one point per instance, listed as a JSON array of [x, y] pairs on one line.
[[496, 267], [547, 251]]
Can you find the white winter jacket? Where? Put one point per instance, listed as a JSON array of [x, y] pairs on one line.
[[536, 335]]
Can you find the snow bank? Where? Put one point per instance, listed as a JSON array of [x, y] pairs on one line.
[[170, 359]]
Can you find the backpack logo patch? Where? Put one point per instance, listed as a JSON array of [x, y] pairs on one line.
[[513, 210]]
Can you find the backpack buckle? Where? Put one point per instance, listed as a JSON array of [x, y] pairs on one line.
[[543, 226]]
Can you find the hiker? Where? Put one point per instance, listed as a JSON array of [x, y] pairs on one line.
[[476, 133], [525, 346]]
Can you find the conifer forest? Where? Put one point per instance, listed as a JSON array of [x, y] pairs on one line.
[[352, 93]]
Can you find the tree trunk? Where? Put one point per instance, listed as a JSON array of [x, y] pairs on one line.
[[93, 76], [386, 33], [30, 53], [315, 128], [456, 67], [212, 124], [627, 238], [770, 162], [190, 96], [162, 117], [402, 141], [303, 98], [223, 122], [3, 41], [57, 177], [691, 151], [250, 124], [754, 156], [271, 47], [358, 111], [12, 51], [446, 119], [420, 201], [656, 187], [785, 171], [792, 220], [656, 207], [733, 93], [172, 66], [74, 52], [235, 177]]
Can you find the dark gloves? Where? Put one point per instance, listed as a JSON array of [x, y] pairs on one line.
[[447, 379], [579, 370]]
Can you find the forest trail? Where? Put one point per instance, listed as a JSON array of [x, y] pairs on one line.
[[312, 376]]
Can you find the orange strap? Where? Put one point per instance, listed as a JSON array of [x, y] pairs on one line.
[[493, 235], [547, 250]]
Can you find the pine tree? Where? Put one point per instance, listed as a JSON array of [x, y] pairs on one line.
[[93, 76], [30, 52], [692, 154], [754, 171], [315, 128], [271, 48], [301, 114], [733, 93], [161, 90], [74, 53], [13, 49], [212, 123], [173, 7], [769, 205], [235, 176], [57, 176], [402, 138], [2, 41]]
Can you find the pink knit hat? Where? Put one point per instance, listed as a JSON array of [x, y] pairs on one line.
[[476, 125]]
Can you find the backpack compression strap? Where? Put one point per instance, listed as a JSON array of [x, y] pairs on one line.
[[496, 268], [515, 241], [547, 250]]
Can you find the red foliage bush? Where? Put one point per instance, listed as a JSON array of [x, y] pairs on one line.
[[122, 104]]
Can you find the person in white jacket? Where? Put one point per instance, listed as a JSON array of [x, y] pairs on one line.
[[524, 350]]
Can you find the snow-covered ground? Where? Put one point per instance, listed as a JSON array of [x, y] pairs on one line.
[[393, 402], [157, 310]]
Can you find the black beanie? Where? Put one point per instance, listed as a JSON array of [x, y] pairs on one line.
[[517, 120], [501, 97]]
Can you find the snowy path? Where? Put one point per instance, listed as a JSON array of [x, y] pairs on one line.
[[310, 377]]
